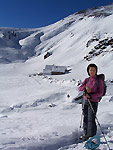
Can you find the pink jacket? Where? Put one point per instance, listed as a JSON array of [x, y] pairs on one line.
[[92, 84]]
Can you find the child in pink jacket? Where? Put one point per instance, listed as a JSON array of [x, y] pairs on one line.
[[92, 93]]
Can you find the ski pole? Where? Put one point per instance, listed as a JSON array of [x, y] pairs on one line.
[[81, 120], [98, 124], [80, 126]]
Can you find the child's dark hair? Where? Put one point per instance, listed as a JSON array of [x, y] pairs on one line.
[[91, 65]]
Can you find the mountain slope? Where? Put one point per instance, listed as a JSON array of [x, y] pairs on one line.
[[38, 111], [70, 35]]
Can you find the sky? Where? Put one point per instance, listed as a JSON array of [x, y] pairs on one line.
[[40, 13]]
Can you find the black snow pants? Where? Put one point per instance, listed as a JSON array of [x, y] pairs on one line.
[[89, 124]]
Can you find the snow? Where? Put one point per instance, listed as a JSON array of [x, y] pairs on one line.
[[38, 112]]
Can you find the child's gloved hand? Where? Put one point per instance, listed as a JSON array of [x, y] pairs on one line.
[[87, 95], [88, 89]]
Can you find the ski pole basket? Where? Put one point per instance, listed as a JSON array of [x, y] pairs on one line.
[[92, 143]]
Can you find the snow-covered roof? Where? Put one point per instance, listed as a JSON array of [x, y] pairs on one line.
[[53, 68]]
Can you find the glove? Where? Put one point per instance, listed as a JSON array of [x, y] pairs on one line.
[[87, 95], [88, 90]]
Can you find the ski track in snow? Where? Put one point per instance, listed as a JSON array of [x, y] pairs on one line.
[[54, 102]]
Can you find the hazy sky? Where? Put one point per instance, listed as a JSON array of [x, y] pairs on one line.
[[39, 13]]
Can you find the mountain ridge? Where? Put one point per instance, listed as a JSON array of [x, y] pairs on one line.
[[28, 43]]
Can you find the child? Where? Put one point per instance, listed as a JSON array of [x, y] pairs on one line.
[[91, 93]]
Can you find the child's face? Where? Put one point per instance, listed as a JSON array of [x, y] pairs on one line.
[[92, 71]]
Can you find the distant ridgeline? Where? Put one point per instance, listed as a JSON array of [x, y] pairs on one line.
[[87, 30]]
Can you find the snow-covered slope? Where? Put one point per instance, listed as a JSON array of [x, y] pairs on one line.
[[35, 110]]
